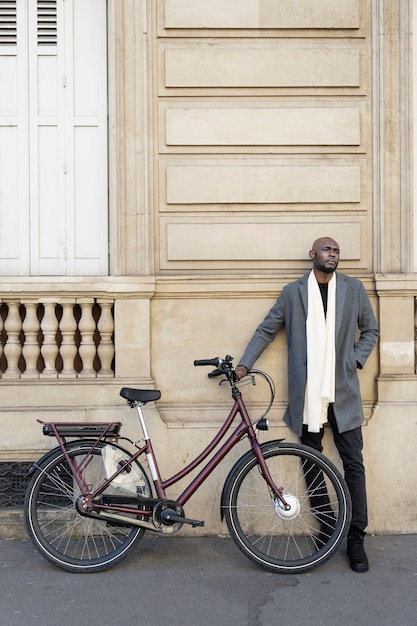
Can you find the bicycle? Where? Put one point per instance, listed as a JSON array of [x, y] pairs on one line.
[[90, 501]]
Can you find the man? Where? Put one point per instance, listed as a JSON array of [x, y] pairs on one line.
[[322, 313]]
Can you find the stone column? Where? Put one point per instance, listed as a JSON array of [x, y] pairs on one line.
[[129, 175], [132, 339]]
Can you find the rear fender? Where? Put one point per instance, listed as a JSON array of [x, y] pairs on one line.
[[40, 462], [242, 459]]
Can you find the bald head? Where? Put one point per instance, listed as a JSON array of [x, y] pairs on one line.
[[325, 256], [324, 241]]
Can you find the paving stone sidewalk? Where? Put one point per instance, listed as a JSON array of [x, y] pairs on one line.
[[206, 581]]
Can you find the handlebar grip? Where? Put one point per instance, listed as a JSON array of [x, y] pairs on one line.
[[212, 362]]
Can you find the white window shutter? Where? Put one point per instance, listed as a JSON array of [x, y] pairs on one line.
[[47, 123], [14, 161], [66, 137], [86, 104]]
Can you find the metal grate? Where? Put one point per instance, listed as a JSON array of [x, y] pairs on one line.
[[8, 25], [14, 480], [46, 23]]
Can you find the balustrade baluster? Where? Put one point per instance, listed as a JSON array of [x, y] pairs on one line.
[[49, 349], [12, 348], [1, 330], [52, 338], [31, 349], [106, 328], [87, 326], [68, 349]]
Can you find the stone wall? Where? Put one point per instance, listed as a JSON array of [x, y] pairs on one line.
[[241, 130]]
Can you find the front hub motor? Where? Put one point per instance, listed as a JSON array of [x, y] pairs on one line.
[[292, 509]]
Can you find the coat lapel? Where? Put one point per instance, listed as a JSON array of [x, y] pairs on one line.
[[303, 289], [341, 289]]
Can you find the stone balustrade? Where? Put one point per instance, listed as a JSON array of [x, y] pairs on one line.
[[56, 338]]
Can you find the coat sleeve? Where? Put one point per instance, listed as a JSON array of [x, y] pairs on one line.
[[265, 333], [368, 328]]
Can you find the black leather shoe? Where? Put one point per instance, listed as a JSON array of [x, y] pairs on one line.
[[356, 552]]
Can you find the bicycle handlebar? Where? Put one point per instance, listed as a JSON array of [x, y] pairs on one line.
[[213, 362], [225, 367]]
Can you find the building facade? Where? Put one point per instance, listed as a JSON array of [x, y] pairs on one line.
[[164, 169]]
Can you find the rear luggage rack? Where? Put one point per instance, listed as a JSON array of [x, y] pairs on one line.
[[82, 429]]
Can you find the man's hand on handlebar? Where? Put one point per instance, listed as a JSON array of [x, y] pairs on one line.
[[223, 366], [241, 371]]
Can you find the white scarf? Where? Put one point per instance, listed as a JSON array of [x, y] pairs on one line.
[[321, 357]]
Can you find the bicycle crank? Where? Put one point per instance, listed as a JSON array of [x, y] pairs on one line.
[[168, 517]]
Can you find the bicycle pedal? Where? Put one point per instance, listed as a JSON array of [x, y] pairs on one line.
[[197, 523]]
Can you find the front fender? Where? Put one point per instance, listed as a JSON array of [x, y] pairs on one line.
[[244, 458]]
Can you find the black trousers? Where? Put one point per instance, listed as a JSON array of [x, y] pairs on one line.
[[349, 446]]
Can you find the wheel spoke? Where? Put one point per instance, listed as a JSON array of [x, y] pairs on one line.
[[305, 532], [58, 531]]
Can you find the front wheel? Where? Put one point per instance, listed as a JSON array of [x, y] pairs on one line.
[[64, 537], [294, 539]]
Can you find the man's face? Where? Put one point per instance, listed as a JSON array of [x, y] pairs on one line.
[[325, 255]]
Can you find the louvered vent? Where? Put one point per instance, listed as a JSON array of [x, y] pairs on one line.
[[46, 22], [8, 28]]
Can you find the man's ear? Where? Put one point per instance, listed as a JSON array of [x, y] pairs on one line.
[[312, 254]]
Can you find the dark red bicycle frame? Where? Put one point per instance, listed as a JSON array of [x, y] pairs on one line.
[[245, 427]]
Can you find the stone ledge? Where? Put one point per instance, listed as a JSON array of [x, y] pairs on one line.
[[131, 287], [12, 525]]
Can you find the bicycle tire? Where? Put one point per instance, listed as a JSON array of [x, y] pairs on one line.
[[70, 541], [287, 541]]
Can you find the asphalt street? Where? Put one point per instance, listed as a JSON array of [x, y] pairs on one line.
[[207, 581]]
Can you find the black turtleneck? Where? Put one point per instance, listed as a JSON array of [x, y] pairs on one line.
[[323, 290]]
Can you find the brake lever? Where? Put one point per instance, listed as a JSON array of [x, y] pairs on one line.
[[215, 373], [249, 379]]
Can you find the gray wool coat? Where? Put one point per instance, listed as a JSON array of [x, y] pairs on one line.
[[353, 312]]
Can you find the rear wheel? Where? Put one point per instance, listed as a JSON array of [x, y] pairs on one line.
[[64, 537], [305, 535]]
